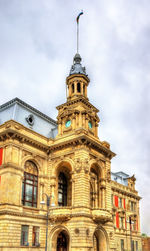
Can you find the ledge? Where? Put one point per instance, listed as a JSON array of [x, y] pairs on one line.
[[101, 215]]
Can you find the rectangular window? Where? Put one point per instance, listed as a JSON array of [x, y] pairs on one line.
[[134, 225], [24, 235], [121, 222], [133, 206], [29, 190], [132, 246], [122, 244], [120, 202], [136, 245], [35, 236]]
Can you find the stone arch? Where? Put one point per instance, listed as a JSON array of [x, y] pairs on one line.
[[63, 168], [69, 163], [98, 165], [30, 158], [53, 237], [100, 239]]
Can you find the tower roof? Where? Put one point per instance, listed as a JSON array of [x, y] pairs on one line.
[[77, 68]]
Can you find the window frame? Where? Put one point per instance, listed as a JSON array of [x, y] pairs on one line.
[[27, 181], [62, 189], [23, 235], [35, 236], [122, 244]]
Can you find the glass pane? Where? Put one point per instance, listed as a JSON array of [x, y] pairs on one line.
[[29, 181], [35, 193], [22, 190], [60, 196], [29, 189], [28, 204]]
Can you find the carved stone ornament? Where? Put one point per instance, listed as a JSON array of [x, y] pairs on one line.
[[77, 231], [30, 167], [86, 165], [87, 231], [111, 235], [108, 176], [78, 166], [82, 164]]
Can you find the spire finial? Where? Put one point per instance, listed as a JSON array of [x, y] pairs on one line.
[[81, 13]]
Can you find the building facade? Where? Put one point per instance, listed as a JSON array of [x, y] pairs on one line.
[[64, 164]]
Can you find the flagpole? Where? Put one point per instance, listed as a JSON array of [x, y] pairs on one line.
[[77, 37], [81, 13]]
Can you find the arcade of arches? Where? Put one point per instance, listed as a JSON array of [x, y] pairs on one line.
[[61, 241]]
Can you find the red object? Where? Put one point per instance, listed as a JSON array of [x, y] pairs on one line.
[[117, 220], [1, 155], [124, 203], [116, 200]]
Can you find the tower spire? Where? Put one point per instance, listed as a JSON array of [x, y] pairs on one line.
[[81, 13]]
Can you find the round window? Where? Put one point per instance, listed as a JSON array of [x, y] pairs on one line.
[[30, 119]]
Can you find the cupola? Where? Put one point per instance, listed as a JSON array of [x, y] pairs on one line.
[[77, 81]]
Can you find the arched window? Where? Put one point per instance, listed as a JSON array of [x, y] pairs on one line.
[[78, 87], [62, 189], [72, 88], [30, 185]]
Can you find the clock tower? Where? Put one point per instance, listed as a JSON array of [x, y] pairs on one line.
[[77, 114]]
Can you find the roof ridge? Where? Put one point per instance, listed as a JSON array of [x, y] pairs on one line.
[[17, 100]]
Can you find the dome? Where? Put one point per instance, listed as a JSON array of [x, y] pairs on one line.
[[77, 68]]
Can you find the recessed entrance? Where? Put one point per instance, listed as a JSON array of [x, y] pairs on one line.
[[99, 241], [62, 242]]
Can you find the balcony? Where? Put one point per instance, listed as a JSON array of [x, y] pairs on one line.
[[62, 214], [101, 215]]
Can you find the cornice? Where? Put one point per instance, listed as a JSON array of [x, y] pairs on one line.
[[83, 140], [76, 76], [14, 130], [77, 100], [122, 190], [11, 165]]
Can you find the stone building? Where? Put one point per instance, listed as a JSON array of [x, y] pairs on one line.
[[145, 243], [64, 163]]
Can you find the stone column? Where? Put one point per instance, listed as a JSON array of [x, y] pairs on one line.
[[75, 87]]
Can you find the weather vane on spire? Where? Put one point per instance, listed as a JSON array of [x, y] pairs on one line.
[[81, 13]]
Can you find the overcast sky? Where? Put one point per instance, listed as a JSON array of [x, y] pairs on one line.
[[37, 45]]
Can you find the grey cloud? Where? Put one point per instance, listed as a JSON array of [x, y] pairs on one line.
[[38, 42]]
